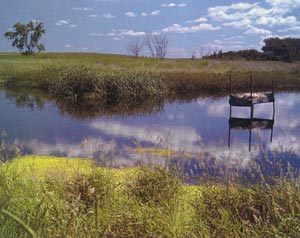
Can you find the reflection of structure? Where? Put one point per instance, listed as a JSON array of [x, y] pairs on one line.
[[249, 124], [249, 100]]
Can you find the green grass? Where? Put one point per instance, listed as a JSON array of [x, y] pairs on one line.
[[78, 75], [42, 196]]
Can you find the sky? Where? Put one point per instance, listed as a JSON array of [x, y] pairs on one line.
[[197, 27]]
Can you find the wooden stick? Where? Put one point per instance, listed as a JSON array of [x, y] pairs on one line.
[[230, 84]]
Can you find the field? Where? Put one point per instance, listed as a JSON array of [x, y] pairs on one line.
[[89, 76], [58, 197]]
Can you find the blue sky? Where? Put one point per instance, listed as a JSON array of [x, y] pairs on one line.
[[106, 26]]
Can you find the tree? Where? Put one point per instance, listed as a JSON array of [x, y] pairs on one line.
[[157, 45], [193, 55], [26, 37], [287, 49], [134, 47]]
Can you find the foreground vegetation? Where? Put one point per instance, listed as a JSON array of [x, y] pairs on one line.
[[57, 197], [84, 77]]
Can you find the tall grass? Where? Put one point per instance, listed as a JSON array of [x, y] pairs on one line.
[[55, 197], [84, 80], [258, 211], [78, 75]]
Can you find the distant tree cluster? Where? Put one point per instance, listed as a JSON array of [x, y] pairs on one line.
[[282, 49], [275, 49], [251, 54], [156, 45]]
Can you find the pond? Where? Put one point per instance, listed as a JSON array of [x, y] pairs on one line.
[[196, 133]]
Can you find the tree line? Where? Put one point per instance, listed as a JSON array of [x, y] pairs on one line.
[[274, 49]]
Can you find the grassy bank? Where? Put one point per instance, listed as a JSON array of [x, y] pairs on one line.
[[57, 197], [78, 75]]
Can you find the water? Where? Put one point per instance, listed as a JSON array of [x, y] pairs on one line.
[[185, 131]]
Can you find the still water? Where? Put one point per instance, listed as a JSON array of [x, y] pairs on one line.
[[182, 130]]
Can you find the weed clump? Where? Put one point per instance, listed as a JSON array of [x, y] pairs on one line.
[[155, 186], [257, 211]]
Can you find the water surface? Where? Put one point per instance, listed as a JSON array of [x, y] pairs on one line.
[[185, 130]]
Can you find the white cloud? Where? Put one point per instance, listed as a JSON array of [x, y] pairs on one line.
[[82, 9], [68, 46], [155, 33], [293, 28], [63, 22], [284, 3], [183, 29], [243, 10], [168, 5], [84, 48], [93, 15], [130, 14], [234, 38], [232, 12], [174, 5], [198, 20], [108, 15], [270, 21], [153, 13], [119, 34], [133, 33], [243, 24], [257, 31], [73, 25]]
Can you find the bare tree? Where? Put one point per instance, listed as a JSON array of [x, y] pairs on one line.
[[157, 45], [193, 55], [134, 47]]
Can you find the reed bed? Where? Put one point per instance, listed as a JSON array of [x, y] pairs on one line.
[[113, 76], [57, 197]]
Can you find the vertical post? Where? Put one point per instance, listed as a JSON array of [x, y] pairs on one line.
[[229, 129], [229, 84], [250, 136], [251, 86], [229, 133], [273, 111], [271, 134]]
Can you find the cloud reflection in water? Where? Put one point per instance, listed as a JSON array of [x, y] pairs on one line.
[[199, 128]]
